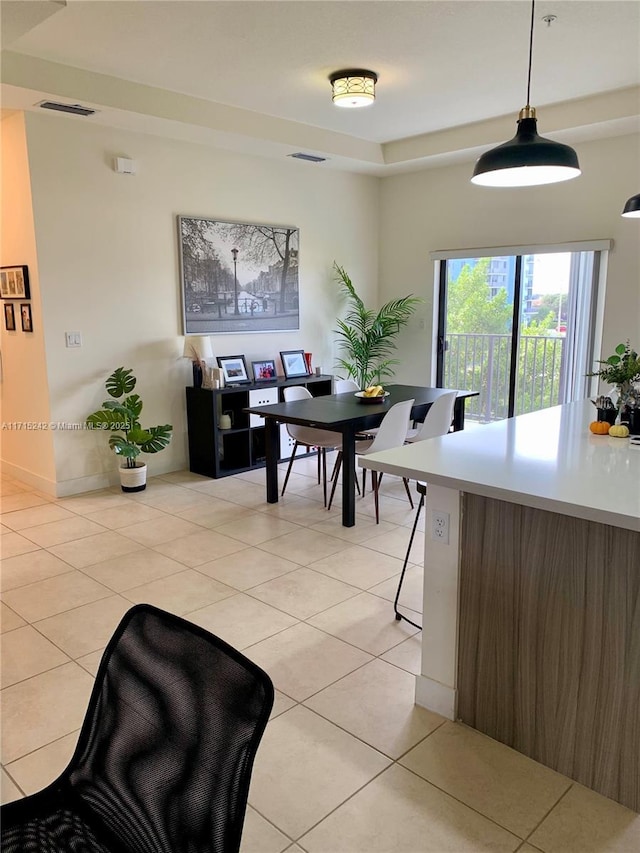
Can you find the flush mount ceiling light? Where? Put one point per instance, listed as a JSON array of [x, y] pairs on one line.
[[632, 207], [527, 159], [353, 88]]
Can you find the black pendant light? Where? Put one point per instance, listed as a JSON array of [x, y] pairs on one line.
[[527, 159], [632, 207]]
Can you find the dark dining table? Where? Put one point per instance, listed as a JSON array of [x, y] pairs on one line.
[[348, 415]]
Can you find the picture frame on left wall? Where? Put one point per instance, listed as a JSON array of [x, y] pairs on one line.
[[9, 317], [25, 316], [14, 282]]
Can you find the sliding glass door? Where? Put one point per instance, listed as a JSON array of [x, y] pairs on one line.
[[518, 329]]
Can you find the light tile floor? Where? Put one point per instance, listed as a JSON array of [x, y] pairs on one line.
[[348, 763]]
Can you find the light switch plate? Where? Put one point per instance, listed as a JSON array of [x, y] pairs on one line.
[[73, 339]]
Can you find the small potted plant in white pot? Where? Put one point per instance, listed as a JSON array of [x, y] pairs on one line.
[[122, 416]]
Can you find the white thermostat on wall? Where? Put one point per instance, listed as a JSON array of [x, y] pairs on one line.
[[124, 166]]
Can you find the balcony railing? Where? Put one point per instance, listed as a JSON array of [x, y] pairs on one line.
[[479, 362]]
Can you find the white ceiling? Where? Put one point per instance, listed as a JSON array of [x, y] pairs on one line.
[[442, 64]]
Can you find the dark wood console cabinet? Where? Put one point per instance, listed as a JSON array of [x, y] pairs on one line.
[[216, 452]]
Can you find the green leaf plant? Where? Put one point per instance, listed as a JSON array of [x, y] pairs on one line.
[[367, 338], [622, 369], [122, 416]]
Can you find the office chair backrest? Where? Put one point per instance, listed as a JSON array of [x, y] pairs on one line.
[[393, 428], [343, 386], [438, 418], [166, 750]]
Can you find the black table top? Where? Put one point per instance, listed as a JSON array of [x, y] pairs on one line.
[[334, 410]]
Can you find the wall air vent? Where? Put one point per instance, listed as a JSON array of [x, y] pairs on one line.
[[74, 109], [311, 158]]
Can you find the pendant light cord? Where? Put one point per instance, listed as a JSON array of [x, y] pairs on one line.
[[533, 6]]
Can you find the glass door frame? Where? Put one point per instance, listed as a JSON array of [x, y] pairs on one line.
[[598, 250]]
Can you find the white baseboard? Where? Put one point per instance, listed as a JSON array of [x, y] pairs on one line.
[[42, 484], [78, 485], [436, 697]]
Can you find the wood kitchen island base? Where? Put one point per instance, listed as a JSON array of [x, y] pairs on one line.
[[531, 603], [549, 655]]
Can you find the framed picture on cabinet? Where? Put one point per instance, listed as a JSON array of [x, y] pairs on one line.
[[263, 371], [234, 369], [9, 317], [14, 282], [293, 363]]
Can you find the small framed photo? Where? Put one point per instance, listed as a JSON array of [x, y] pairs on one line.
[[263, 371], [9, 317], [294, 363], [234, 369], [14, 282], [25, 315]]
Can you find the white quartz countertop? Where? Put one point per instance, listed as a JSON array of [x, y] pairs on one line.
[[546, 459]]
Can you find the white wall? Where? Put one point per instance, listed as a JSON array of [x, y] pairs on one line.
[[107, 252], [27, 452], [441, 209], [107, 263]]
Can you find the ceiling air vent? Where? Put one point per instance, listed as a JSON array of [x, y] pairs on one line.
[[74, 109], [311, 158]]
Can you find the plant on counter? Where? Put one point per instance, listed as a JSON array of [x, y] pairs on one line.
[[622, 369], [121, 415], [368, 338]]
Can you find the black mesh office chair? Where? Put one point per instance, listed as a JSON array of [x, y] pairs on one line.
[[164, 758]]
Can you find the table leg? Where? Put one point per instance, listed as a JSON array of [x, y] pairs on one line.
[[271, 447], [348, 476]]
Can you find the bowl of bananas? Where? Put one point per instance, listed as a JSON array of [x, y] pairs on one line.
[[372, 394]]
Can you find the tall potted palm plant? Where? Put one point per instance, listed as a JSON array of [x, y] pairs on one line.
[[367, 338]]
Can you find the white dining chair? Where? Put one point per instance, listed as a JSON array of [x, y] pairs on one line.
[[309, 438], [343, 386], [349, 386], [392, 432], [437, 422]]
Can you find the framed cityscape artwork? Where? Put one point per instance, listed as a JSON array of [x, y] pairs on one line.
[[238, 277]]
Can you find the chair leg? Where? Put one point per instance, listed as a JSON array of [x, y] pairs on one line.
[[406, 487], [399, 615], [336, 465], [364, 481], [334, 477], [324, 474], [319, 464], [375, 484], [336, 472], [286, 479]]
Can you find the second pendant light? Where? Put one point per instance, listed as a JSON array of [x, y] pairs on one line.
[[528, 159]]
